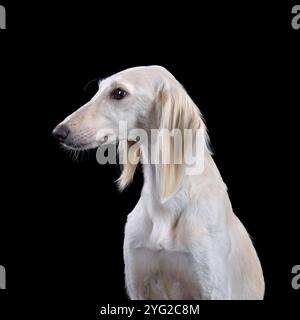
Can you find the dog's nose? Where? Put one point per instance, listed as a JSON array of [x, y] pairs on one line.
[[61, 132]]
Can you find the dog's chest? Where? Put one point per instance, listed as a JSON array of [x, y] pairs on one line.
[[163, 266], [162, 274]]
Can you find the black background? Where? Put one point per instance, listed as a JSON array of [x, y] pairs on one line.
[[62, 221]]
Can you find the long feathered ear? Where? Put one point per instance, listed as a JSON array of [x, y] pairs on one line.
[[177, 113], [129, 157]]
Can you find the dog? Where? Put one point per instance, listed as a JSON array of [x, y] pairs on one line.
[[182, 239]]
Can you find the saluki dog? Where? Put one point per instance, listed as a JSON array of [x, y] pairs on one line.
[[182, 239]]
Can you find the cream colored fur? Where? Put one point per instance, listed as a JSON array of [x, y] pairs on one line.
[[182, 240]]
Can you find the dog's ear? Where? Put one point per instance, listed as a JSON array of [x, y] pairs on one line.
[[177, 113], [129, 156]]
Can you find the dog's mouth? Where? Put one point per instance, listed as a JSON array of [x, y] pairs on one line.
[[93, 145], [80, 146]]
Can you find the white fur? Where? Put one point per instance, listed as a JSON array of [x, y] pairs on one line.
[[182, 240]]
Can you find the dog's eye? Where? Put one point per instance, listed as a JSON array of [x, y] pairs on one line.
[[118, 94]]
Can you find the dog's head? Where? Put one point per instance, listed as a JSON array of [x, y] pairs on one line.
[[126, 96], [143, 97]]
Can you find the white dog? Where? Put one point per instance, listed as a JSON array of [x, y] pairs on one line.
[[182, 240]]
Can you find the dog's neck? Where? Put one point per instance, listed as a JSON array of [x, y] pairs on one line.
[[184, 194]]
